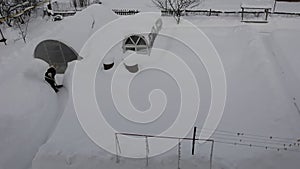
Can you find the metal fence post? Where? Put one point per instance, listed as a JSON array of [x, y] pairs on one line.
[[211, 154], [194, 139], [147, 151]]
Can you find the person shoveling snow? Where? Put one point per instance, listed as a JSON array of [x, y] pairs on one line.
[[50, 78]]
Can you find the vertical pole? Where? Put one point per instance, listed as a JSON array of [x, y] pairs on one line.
[[179, 153], [118, 149], [242, 13], [147, 151], [274, 5], [117, 153], [211, 153], [194, 140], [267, 13]]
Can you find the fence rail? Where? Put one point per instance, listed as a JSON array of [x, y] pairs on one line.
[[64, 13], [193, 139], [213, 12], [163, 137], [125, 11]]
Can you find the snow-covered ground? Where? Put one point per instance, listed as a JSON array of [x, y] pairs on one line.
[[39, 129]]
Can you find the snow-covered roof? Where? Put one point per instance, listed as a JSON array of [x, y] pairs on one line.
[[75, 28]]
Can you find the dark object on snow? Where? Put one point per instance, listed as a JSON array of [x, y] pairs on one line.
[[125, 11], [97, 2], [108, 66], [49, 9], [133, 68], [49, 6], [50, 78], [58, 18], [3, 39]]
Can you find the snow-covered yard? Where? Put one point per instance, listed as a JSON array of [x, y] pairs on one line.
[[40, 130]]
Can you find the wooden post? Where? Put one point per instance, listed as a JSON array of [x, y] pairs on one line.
[[147, 151], [211, 153], [267, 13], [194, 140], [118, 150], [242, 13], [179, 154]]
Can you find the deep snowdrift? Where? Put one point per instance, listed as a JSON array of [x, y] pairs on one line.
[[261, 74], [30, 109], [258, 102]]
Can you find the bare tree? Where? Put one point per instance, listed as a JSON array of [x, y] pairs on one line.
[[8, 8], [176, 7], [17, 13], [23, 27], [21, 17]]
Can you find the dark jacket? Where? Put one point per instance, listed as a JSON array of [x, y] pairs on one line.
[[50, 74]]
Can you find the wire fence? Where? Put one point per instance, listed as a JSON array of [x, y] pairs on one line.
[[213, 12], [254, 140], [147, 147], [236, 139]]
